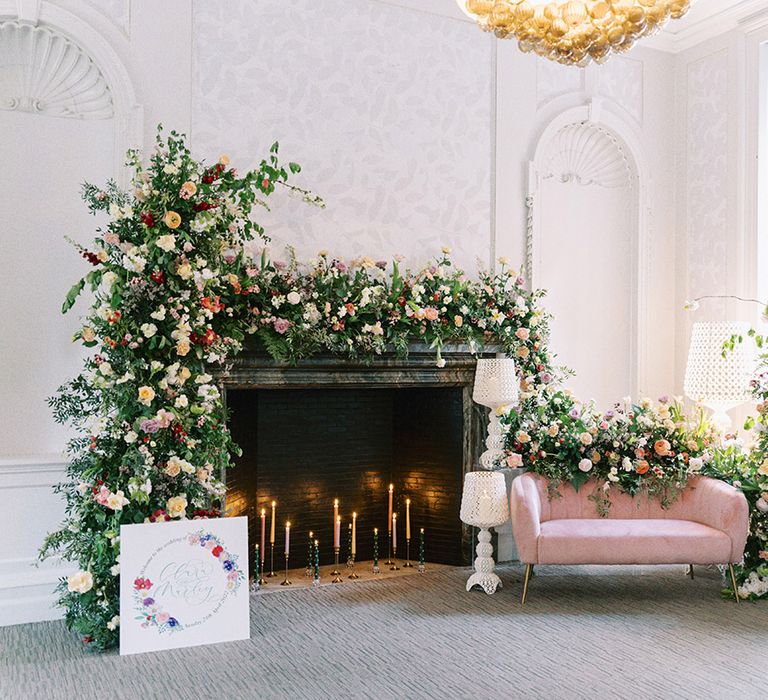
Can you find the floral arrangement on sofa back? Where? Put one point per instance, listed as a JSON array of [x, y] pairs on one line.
[[641, 448]]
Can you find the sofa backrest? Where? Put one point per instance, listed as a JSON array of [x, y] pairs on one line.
[[577, 504]]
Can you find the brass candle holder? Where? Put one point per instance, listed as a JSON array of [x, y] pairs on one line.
[[389, 547], [353, 574], [394, 566], [408, 564], [262, 580], [336, 573], [271, 573], [286, 582]]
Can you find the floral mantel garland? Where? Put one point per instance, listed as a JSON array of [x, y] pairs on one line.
[[176, 291]]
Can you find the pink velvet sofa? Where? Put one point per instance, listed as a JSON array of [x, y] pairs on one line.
[[707, 524]]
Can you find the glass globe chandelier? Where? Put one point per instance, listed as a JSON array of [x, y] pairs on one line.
[[574, 32]]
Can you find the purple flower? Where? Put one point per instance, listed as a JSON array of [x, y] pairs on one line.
[[381, 264], [574, 413], [610, 414], [520, 281], [149, 601], [172, 622], [545, 377], [664, 399], [150, 425], [340, 266], [279, 265], [281, 325]]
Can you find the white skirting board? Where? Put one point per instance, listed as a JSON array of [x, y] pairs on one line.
[[30, 510]]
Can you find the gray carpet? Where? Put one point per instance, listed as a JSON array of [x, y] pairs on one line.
[[584, 633]]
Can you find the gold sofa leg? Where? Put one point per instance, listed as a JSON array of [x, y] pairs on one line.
[[528, 569], [733, 582]]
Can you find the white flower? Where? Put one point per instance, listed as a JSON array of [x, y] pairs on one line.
[[148, 329], [293, 298], [81, 582], [105, 368], [116, 501], [613, 474], [166, 242], [115, 212], [113, 623], [115, 570], [440, 363], [585, 465], [696, 464], [83, 488], [130, 437], [181, 402], [626, 464], [159, 315], [170, 169], [762, 505]]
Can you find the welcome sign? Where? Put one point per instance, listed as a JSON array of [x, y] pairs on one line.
[[183, 584]]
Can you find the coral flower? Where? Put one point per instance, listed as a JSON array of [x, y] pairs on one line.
[[662, 448], [642, 467], [172, 219]]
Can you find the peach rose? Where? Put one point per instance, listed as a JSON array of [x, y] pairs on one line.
[[177, 506], [173, 468], [642, 467], [172, 219], [146, 395], [662, 448]]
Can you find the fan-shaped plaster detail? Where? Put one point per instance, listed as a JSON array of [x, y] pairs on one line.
[[44, 72], [587, 154]]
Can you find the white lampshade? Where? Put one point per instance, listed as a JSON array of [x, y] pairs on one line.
[[496, 383], [718, 382], [484, 501]]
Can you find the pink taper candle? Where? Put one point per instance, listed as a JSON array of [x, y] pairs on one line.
[[335, 510], [337, 532], [354, 534], [263, 534], [394, 530], [389, 513], [287, 538]]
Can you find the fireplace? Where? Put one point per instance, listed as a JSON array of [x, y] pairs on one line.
[[328, 428]]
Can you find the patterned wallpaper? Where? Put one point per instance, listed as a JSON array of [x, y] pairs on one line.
[[707, 213], [388, 113]]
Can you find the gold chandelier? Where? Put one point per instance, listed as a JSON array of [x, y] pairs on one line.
[[574, 32]]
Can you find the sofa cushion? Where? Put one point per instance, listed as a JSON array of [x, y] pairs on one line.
[[614, 541]]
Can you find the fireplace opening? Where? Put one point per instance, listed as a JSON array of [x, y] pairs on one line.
[[305, 447]]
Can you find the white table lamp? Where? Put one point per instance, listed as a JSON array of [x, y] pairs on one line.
[[496, 386], [719, 383], [484, 504]]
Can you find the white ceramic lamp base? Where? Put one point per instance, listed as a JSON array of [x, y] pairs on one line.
[[494, 454], [484, 575]]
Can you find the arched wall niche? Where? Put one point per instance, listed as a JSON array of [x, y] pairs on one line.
[[588, 160], [57, 63]]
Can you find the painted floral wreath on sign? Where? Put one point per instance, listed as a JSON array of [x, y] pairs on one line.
[[150, 610], [176, 291]]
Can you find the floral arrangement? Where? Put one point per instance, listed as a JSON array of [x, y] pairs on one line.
[[365, 307], [176, 291], [649, 448]]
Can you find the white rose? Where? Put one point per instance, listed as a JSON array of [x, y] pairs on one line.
[[109, 278], [130, 437], [167, 242], [170, 169], [81, 582], [585, 465], [113, 623], [293, 298], [181, 402], [626, 464], [696, 464], [159, 315], [105, 368], [148, 329]]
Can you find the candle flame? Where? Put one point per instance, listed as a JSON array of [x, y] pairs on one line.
[[354, 515], [394, 516], [336, 502], [422, 531], [317, 542], [338, 518], [288, 524], [391, 487], [375, 531], [407, 501], [263, 511], [310, 534], [274, 503]]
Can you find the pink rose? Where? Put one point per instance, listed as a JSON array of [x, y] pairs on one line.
[[515, 460], [523, 333], [102, 496], [111, 239], [210, 544], [164, 418], [162, 617], [281, 325], [431, 313]]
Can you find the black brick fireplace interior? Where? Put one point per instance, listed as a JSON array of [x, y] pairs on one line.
[[305, 447]]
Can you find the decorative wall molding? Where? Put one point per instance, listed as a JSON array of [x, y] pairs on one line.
[[553, 80], [587, 154], [43, 72], [621, 80], [26, 584], [609, 149]]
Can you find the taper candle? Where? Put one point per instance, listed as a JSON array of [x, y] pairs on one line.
[[256, 566], [354, 534], [335, 510], [394, 530], [337, 532], [389, 513], [287, 538], [272, 525], [407, 518], [263, 534], [375, 547], [421, 550]]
